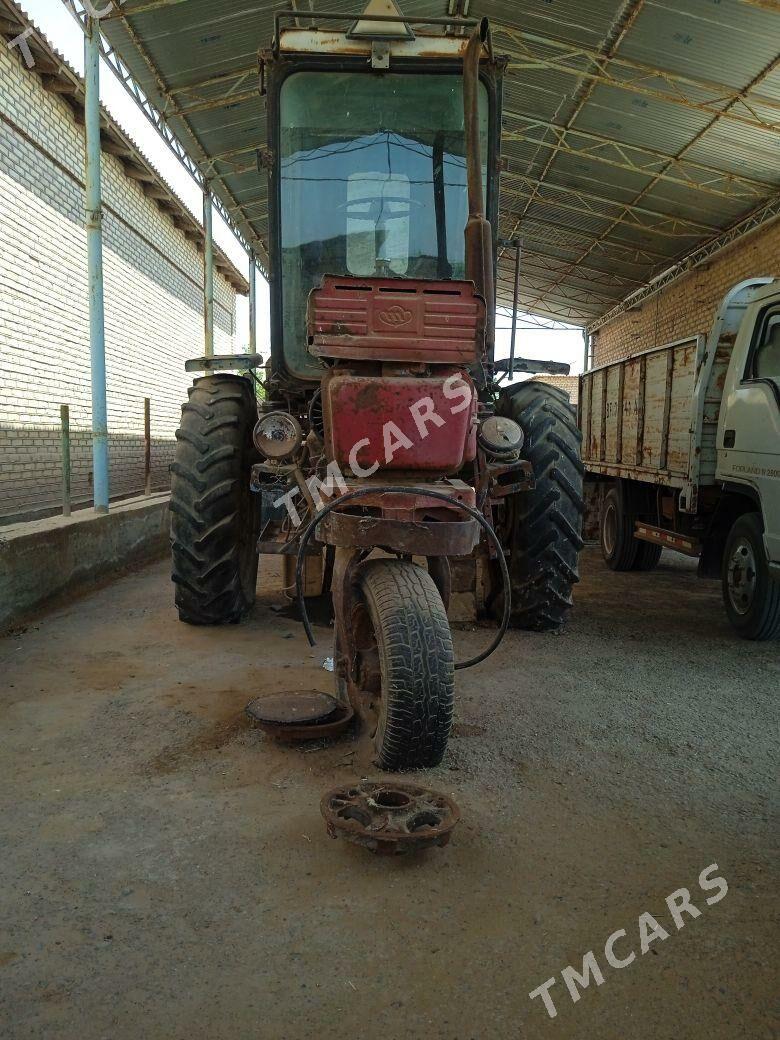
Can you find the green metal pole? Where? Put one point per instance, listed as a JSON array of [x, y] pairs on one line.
[[252, 304], [208, 270], [65, 436], [94, 227], [147, 446]]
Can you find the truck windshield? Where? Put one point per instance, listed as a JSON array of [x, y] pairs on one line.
[[373, 182]]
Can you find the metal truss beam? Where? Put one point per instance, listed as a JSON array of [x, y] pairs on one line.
[[570, 292], [640, 218], [143, 6], [549, 263], [160, 122], [624, 18], [759, 78], [542, 53], [763, 215], [645, 162], [560, 309], [566, 237]]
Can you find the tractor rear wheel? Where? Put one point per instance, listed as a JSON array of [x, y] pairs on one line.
[[214, 522], [405, 664], [542, 529]]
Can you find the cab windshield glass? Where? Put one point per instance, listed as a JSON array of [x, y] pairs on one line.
[[373, 183]]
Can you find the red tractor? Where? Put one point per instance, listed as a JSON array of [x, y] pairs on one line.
[[383, 446]]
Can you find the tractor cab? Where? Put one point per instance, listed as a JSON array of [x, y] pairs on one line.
[[369, 175]]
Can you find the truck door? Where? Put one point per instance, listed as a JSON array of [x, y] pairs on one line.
[[749, 427]]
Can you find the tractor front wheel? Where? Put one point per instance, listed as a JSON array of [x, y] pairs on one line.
[[405, 664], [214, 521]]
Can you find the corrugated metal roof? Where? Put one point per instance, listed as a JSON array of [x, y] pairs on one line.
[[635, 131]]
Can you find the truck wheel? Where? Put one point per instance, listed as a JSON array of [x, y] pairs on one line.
[[405, 664], [542, 529], [214, 522], [616, 532], [647, 556], [751, 596]]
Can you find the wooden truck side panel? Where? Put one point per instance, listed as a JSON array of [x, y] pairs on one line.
[[637, 414]]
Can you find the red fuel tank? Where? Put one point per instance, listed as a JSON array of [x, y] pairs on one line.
[[400, 422]]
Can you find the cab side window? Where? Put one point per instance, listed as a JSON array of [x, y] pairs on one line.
[[766, 357]]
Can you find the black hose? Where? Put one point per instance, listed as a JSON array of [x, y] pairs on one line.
[[394, 489]]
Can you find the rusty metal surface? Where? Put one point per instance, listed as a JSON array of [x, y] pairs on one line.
[[389, 319], [478, 232], [358, 410], [421, 538], [389, 818], [688, 545], [416, 506], [294, 716], [638, 416], [284, 709]]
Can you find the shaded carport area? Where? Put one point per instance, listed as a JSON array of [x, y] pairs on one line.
[[165, 869]]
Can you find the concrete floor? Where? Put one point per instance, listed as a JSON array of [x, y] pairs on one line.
[[165, 872]]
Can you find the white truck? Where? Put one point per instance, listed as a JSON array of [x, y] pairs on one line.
[[683, 444]]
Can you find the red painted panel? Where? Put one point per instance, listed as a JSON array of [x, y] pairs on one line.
[[395, 319], [379, 414]]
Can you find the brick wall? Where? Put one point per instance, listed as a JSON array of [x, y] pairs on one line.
[[688, 305], [569, 384], [153, 299]]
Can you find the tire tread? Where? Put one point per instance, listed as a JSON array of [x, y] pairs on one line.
[[417, 657], [208, 478]]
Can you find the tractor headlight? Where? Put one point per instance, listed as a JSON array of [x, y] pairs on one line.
[[278, 436], [501, 438]]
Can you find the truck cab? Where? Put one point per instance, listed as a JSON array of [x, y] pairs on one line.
[[749, 423], [682, 450]]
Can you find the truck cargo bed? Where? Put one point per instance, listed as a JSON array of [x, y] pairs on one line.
[[637, 414]]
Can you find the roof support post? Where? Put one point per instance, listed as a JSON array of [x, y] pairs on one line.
[[94, 228], [208, 270], [252, 303], [586, 350]]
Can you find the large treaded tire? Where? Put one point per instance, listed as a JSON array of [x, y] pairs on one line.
[[417, 664], [214, 518], [543, 527]]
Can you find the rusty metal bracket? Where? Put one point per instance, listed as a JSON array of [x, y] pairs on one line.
[[422, 538]]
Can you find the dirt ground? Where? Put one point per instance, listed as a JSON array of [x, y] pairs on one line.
[[165, 871]]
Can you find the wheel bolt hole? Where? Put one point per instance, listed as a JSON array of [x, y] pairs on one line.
[[389, 799], [351, 812], [423, 819]]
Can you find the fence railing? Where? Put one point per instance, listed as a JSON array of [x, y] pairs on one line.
[[46, 462]]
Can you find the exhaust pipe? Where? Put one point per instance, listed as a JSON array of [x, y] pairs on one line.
[[478, 233]]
